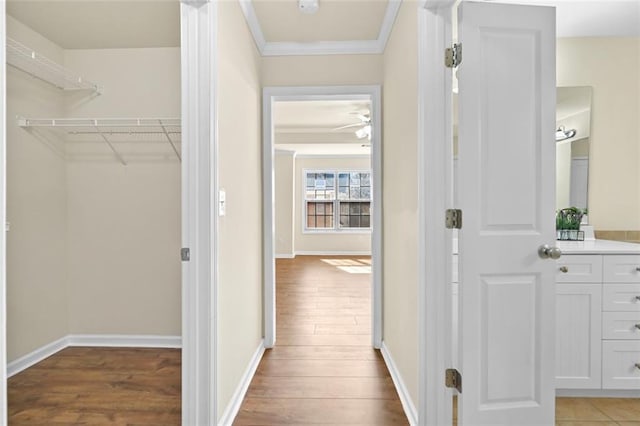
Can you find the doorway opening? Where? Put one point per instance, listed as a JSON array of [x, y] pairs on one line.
[[339, 200]]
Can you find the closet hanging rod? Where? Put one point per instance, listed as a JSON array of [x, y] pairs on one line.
[[113, 131], [102, 122], [39, 66]]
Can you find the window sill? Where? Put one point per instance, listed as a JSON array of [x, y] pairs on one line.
[[337, 232]]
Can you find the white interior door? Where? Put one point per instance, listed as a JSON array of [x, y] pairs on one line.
[[507, 194]]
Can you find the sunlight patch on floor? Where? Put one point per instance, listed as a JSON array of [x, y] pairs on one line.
[[363, 269], [352, 266]]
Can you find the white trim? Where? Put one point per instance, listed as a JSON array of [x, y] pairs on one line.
[[597, 393], [333, 253], [333, 156], [434, 197], [253, 23], [349, 47], [393, 7], [199, 29], [270, 95], [124, 341], [92, 340], [3, 219], [345, 47], [403, 393], [230, 413], [285, 256], [34, 357]]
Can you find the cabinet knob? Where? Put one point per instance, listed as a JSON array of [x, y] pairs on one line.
[[638, 326], [564, 269], [638, 365], [638, 268], [638, 298]]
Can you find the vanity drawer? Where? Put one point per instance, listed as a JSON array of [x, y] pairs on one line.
[[621, 325], [575, 268], [621, 297], [619, 369], [622, 268]]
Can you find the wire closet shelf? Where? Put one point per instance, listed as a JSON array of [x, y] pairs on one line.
[[119, 134], [38, 66]]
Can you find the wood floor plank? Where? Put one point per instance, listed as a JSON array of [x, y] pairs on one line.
[[286, 411], [322, 367], [322, 387]]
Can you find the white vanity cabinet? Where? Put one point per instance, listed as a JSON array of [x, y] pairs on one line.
[[598, 316], [579, 322]]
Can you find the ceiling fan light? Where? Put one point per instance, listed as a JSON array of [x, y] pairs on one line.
[[562, 134], [364, 132]]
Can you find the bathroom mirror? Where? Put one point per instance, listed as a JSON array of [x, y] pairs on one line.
[[573, 130]]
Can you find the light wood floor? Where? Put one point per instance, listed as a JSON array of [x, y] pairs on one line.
[[323, 368], [99, 386]]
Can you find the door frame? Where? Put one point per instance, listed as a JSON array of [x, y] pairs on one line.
[[435, 183], [308, 93], [3, 218], [199, 19]]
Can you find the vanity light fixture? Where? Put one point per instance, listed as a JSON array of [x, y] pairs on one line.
[[562, 134]]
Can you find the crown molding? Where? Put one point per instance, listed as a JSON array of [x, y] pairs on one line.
[[254, 26], [347, 47]]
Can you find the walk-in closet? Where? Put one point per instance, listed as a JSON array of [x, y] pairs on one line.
[[93, 200]]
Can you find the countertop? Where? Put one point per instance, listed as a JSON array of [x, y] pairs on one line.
[[598, 247]]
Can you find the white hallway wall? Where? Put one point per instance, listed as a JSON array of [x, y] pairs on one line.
[[124, 221], [240, 173], [284, 186], [37, 303]]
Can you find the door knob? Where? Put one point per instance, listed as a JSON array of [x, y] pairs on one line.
[[546, 252]]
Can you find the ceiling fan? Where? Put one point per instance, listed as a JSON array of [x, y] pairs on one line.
[[362, 129]]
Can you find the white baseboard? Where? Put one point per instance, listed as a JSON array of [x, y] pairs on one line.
[[233, 407], [124, 340], [285, 256], [333, 253], [97, 340], [26, 361], [403, 393]]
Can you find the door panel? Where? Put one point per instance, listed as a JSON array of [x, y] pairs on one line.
[[507, 195]]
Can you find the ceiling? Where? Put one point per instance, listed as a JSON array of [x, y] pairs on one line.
[[281, 21], [99, 24], [309, 127], [339, 26]]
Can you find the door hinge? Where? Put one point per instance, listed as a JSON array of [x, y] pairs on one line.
[[453, 55], [454, 219], [185, 254], [453, 379]]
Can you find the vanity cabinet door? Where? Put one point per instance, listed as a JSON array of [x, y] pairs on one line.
[[578, 336]]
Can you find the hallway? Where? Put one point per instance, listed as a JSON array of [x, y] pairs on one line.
[[323, 369]]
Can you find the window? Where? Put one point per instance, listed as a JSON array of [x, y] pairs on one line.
[[337, 204]]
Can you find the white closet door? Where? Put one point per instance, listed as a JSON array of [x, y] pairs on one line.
[[506, 166]]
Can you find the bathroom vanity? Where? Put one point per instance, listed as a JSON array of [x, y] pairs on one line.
[[598, 318]]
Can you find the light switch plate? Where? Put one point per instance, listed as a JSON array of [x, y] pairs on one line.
[[222, 202]]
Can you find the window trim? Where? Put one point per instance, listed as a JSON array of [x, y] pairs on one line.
[[336, 229]]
